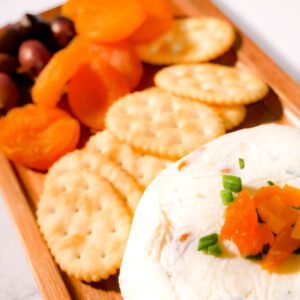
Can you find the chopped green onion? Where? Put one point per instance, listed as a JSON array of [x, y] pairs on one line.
[[270, 183], [257, 256], [226, 196], [214, 250], [242, 163], [232, 183], [206, 241]]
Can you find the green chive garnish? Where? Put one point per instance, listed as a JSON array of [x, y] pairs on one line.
[[207, 241], [226, 196], [214, 250], [232, 183], [242, 163], [257, 256], [270, 183]]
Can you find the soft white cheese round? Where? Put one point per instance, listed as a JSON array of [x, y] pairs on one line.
[[161, 260]]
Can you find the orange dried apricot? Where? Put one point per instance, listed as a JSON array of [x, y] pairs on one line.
[[109, 21], [37, 136], [240, 223], [291, 195], [93, 88], [122, 57], [265, 193], [283, 246], [296, 230], [50, 84], [159, 19], [275, 212], [71, 8], [262, 236]]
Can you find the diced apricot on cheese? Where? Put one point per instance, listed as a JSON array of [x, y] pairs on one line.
[[291, 195], [276, 213], [240, 223], [283, 246]]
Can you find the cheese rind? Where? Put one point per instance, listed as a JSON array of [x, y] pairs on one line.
[[183, 203]]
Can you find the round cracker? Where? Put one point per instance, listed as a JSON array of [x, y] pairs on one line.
[[80, 160], [142, 167], [159, 123], [190, 40], [212, 84], [85, 223], [231, 115]]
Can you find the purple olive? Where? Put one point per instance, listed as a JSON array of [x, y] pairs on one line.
[[63, 30], [9, 95], [36, 27], [8, 63], [25, 84], [33, 57], [9, 39]]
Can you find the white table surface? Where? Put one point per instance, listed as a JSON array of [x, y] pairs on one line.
[[272, 24]]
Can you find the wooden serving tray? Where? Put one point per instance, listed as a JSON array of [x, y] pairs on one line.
[[21, 187]]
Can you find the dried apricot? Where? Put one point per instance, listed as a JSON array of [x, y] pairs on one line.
[[93, 88], [109, 21], [37, 136], [50, 84], [159, 19], [291, 195], [122, 57], [283, 246], [275, 212], [71, 8], [240, 223]]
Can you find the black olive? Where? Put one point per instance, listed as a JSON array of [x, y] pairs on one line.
[[63, 30], [9, 39], [8, 63], [9, 94], [36, 27], [25, 84], [33, 56]]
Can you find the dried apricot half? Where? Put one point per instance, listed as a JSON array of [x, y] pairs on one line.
[[106, 21], [36, 136], [50, 84], [121, 56], [93, 89], [159, 20]]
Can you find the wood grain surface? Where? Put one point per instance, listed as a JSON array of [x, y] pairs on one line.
[[21, 187]]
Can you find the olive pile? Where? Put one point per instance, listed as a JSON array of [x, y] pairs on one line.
[[25, 49]]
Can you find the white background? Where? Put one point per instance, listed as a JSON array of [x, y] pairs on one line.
[[272, 24]]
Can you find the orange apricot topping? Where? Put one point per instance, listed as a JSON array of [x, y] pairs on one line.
[[105, 21], [281, 227], [291, 195], [36, 136], [93, 89], [50, 84], [273, 210], [283, 246], [240, 223], [159, 20]]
